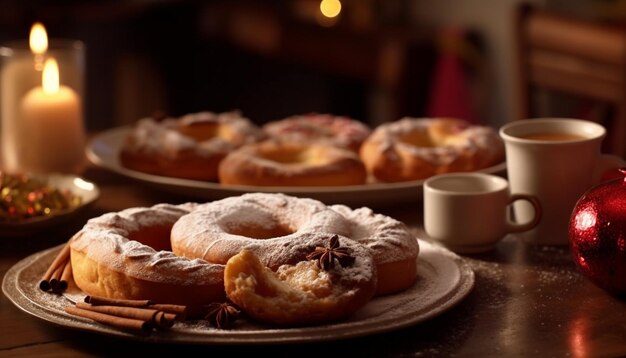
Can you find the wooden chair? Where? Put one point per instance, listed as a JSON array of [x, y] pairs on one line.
[[582, 59]]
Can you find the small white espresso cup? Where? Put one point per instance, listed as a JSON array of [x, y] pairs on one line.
[[469, 212], [557, 160]]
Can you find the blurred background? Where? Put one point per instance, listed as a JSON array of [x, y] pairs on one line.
[[373, 60]]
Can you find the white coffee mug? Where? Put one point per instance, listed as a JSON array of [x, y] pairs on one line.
[[469, 212], [557, 160]]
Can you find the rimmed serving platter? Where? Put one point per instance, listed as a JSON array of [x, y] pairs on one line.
[[444, 279]]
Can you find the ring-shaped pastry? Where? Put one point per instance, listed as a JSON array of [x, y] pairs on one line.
[[278, 163], [417, 148], [127, 255]]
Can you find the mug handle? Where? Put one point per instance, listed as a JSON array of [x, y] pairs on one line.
[[606, 168], [534, 201]]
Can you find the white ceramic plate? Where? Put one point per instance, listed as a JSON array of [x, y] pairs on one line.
[[444, 279], [103, 151], [88, 192]]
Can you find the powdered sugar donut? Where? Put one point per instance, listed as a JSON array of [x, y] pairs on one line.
[[272, 226], [417, 148], [278, 163], [265, 241], [126, 255], [189, 147], [394, 248], [336, 130]]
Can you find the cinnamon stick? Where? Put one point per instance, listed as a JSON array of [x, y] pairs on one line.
[[119, 322], [66, 276], [156, 318], [61, 257], [144, 314], [96, 300], [172, 312], [56, 277], [164, 320], [178, 310]]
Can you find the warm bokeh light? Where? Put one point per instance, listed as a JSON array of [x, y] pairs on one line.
[[38, 39], [50, 76], [330, 8]]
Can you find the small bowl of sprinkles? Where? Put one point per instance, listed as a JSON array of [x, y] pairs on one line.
[[29, 203]]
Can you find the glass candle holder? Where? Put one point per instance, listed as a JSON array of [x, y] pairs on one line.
[[42, 129]]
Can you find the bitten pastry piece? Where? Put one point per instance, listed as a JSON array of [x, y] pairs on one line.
[[278, 163], [320, 128], [305, 293], [189, 147], [417, 148], [277, 227]]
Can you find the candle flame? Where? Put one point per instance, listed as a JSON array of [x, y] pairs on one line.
[[50, 76], [38, 39], [330, 8]]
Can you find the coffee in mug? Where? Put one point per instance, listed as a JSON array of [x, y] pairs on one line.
[[557, 137], [556, 160]]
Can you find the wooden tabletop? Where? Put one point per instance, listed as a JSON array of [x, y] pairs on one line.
[[527, 301]]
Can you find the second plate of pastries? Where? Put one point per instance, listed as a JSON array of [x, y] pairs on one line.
[[419, 142]]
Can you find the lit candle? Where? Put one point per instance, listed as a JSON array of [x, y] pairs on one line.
[[20, 73], [38, 41], [53, 125]]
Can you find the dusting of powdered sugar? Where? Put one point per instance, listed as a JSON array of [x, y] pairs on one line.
[[480, 144], [443, 281], [337, 130], [164, 138], [242, 130], [389, 239], [257, 164], [211, 231], [106, 240]]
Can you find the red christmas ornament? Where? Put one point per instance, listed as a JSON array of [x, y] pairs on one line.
[[597, 235]]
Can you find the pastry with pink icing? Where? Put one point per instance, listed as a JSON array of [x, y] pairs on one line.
[[189, 147], [325, 128]]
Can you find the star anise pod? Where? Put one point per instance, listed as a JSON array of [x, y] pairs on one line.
[[326, 256], [222, 315]]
